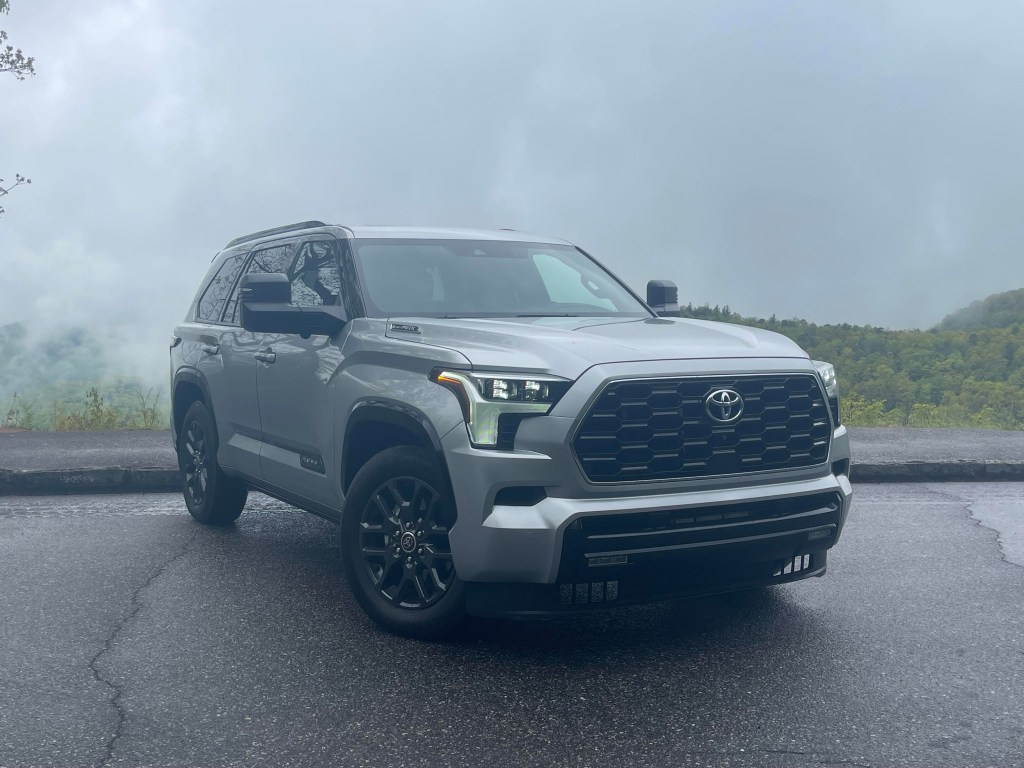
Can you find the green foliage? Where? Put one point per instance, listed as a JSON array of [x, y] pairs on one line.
[[20, 415], [89, 413], [1000, 310], [952, 378], [62, 379]]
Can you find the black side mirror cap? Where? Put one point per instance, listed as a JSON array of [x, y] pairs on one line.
[[663, 298], [267, 308], [260, 317], [274, 288]]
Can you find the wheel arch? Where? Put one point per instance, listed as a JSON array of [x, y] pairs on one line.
[[189, 386], [376, 425]]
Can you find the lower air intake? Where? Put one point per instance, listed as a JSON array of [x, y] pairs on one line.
[[796, 565]]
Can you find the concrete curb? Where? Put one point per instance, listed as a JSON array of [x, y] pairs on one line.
[[52, 482], [937, 472], [46, 482]]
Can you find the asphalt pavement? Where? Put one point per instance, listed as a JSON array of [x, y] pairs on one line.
[[140, 460], [133, 636]]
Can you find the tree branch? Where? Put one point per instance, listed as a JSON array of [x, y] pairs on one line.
[[18, 181]]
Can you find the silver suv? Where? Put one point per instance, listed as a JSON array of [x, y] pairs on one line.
[[499, 425]]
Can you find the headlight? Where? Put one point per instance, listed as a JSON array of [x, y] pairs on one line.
[[828, 376], [487, 397]]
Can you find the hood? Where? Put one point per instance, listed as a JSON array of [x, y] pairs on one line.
[[567, 346]]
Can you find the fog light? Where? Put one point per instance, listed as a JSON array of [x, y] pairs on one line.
[[821, 533]]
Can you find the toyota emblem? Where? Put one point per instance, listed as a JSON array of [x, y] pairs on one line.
[[724, 406]]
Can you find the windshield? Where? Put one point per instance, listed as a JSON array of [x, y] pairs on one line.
[[487, 278]]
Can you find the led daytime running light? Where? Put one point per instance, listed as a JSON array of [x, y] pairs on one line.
[[485, 397]]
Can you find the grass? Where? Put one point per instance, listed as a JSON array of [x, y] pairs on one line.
[[132, 409]]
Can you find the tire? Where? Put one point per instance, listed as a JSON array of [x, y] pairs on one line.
[[395, 547], [212, 497]]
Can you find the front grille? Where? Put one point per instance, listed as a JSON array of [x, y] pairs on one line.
[[659, 429]]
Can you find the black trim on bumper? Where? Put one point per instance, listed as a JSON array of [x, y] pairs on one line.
[[499, 600], [622, 558]]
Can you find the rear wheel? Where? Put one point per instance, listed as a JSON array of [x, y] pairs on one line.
[[395, 544], [212, 497]]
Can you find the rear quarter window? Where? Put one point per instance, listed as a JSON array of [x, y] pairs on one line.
[[211, 303]]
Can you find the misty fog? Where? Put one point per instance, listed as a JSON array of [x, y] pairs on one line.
[[840, 162]]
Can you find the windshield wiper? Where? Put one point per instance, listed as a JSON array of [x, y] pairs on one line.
[[549, 314]]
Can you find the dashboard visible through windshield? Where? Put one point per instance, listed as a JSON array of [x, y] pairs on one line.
[[487, 278]]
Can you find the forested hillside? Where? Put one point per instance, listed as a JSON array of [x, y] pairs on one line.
[[1000, 310], [941, 378], [966, 372]]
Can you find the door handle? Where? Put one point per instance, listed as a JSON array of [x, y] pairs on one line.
[[266, 356], [211, 349]]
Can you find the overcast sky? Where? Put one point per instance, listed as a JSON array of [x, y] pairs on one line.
[[852, 162]]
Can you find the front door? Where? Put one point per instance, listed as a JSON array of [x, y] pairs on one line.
[[294, 380]]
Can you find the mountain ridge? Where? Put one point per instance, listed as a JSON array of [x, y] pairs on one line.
[[999, 310]]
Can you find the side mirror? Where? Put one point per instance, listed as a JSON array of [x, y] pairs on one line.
[[267, 308], [274, 288], [663, 298]]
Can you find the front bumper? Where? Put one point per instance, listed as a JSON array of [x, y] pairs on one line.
[[572, 545], [675, 543]]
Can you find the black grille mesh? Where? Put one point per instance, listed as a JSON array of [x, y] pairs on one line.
[[659, 429]]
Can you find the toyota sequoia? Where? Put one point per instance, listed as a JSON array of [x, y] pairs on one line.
[[499, 425]]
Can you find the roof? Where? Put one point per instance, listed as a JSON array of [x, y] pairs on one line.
[[388, 232], [448, 233]]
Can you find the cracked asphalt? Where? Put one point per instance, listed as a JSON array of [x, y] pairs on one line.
[[131, 636]]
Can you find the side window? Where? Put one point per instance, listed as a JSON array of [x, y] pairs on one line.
[[315, 277], [212, 302], [566, 285], [277, 258]]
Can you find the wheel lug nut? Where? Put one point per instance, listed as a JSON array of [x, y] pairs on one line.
[[420, 550], [408, 526]]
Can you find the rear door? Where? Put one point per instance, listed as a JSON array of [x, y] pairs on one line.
[[294, 381], [211, 346], [237, 355]]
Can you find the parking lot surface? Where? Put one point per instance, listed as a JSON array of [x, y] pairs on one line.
[[133, 636]]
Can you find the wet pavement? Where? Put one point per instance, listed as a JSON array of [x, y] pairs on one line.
[[132, 636]]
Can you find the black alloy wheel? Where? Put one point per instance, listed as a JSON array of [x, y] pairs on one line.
[[197, 464], [395, 547], [403, 537], [212, 497]]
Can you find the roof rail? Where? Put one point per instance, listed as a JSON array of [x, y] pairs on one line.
[[276, 231]]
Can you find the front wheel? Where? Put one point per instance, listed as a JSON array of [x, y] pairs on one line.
[[395, 547], [212, 497]]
